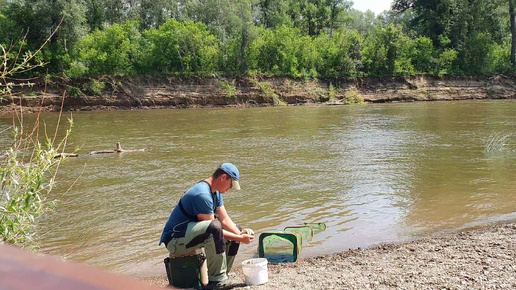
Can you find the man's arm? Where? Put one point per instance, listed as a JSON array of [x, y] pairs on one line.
[[231, 232], [205, 217]]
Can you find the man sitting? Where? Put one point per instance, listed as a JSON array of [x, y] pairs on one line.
[[200, 220]]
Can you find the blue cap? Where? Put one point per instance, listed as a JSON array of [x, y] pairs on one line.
[[233, 172]]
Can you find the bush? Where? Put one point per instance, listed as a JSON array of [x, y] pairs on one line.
[[283, 51], [423, 55], [25, 180], [26, 166], [500, 57], [180, 47], [387, 52], [475, 54], [95, 87], [340, 54], [353, 97], [112, 51]]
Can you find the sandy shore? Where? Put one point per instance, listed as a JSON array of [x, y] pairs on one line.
[[481, 258]]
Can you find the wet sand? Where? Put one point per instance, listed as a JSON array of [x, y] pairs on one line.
[[479, 258]]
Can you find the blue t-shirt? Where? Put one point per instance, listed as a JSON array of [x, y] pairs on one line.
[[197, 200]]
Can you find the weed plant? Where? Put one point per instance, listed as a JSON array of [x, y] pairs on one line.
[[28, 166], [229, 88], [27, 175], [353, 97]]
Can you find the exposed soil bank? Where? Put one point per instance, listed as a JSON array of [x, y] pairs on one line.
[[142, 92], [480, 258]]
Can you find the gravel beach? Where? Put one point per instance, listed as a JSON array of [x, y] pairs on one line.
[[480, 258]]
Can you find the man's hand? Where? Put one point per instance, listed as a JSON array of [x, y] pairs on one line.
[[248, 231], [246, 238]]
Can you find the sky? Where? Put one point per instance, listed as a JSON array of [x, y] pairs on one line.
[[377, 6]]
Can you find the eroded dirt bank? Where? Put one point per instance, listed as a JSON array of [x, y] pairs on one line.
[[481, 258], [142, 92]]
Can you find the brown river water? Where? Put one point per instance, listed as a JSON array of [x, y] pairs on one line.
[[374, 173]]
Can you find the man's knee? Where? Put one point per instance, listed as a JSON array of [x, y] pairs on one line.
[[214, 229]]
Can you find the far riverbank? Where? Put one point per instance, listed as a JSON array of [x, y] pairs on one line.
[[145, 92], [479, 258]]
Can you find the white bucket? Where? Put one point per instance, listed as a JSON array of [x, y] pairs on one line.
[[255, 271]]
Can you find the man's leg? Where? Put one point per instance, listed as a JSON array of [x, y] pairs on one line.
[[207, 234], [217, 268], [184, 245], [232, 250]]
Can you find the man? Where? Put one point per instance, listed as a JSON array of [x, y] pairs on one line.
[[200, 220]]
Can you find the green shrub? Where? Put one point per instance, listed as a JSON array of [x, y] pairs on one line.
[[387, 52], [230, 89], [283, 51], [353, 97], [77, 69], [500, 56], [332, 93], [269, 92], [112, 51], [95, 87], [340, 53], [27, 167], [27, 175], [74, 91], [180, 47]]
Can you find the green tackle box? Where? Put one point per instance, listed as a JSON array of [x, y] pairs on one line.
[[186, 271]]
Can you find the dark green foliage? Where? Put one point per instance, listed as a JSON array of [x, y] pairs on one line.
[[113, 50], [341, 53], [180, 47], [386, 52], [283, 51], [476, 53], [309, 38], [474, 28]]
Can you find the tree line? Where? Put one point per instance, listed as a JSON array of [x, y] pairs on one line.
[[298, 38]]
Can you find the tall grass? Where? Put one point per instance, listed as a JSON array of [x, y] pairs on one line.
[[28, 170], [28, 165]]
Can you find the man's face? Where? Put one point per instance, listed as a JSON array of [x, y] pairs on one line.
[[226, 183]]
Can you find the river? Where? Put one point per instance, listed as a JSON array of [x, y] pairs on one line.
[[374, 173]]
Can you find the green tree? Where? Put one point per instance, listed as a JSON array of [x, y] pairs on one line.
[[476, 53], [222, 17], [363, 22], [387, 52], [512, 20], [154, 13], [95, 15], [341, 53], [39, 20], [116, 11], [499, 54], [274, 13], [423, 55], [283, 51], [180, 47], [314, 16], [9, 32], [112, 51], [463, 22]]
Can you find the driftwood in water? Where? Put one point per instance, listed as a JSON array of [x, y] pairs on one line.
[[63, 155], [118, 150]]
